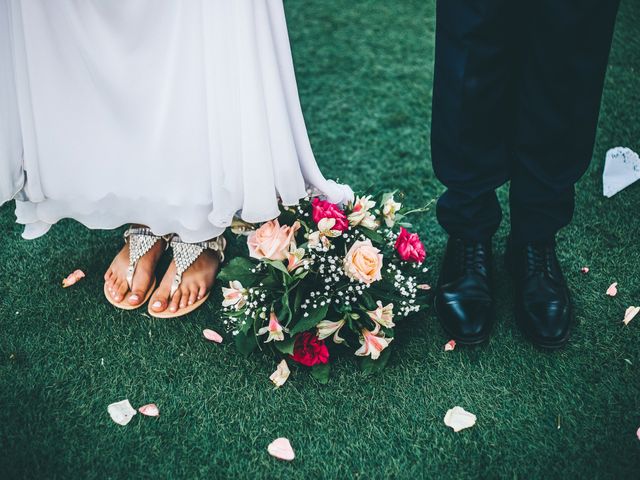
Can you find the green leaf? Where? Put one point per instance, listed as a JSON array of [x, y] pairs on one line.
[[286, 346], [248, 325], [321, 372], [371, 367], [245, 343], [368, 301], [286, 314], [371, 234], [300, 292], [238, 269], [315, 316], [278, 265]]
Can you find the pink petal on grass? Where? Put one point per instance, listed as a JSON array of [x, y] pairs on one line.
[[212, 336], [638, 433], [424, 286], [612, 291], [449, 346], [150, 410], [281, 449], [72, 278], [280, 376], [584, 269], [630, 313]]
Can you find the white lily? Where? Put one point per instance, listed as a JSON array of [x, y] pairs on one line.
[[235, 295], [325, 225], [382, 315], [295, 259], [372, 344], [389, 210], [274, 329], [361, 215], [316, 239], [326, 328]]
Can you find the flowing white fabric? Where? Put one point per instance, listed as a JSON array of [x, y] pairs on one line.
[[176, 114]]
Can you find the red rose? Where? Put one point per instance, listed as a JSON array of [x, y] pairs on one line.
[[410, 247], [308, 350], [323, 209]]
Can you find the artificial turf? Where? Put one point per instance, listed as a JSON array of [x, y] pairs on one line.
[[364, 72]]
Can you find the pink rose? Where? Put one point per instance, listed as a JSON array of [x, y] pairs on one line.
[[363, 262], [323, 209], [410, 247], [272, 241]]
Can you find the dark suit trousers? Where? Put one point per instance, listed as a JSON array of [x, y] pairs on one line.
[[516, 97]]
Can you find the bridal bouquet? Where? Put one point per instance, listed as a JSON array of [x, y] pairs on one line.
[[321, 276]]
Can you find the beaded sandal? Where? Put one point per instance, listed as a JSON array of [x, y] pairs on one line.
[[184, 254], [140, 241]]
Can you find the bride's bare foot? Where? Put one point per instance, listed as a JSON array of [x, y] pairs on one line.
[[197, 280], [116, 276]]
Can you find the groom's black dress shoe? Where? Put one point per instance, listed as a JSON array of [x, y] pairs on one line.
[[463, 300], [543, 305]]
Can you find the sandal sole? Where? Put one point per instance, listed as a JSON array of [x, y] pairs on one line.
[[181, 312]]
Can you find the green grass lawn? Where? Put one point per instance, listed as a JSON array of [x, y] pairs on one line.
[[364, 71]]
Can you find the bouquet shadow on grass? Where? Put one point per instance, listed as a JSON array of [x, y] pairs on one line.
[[322, 278]]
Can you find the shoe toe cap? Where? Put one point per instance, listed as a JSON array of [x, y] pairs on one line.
[[548, 322], [467, 320]]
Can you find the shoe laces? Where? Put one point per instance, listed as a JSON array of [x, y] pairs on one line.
[[471, 256], [540, 259]]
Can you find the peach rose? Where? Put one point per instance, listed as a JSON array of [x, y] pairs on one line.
[[272, 241], [363, 262]]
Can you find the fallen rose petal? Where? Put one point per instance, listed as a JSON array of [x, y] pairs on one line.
[[458, 419], [424, 286], [121, 412], [584, 269], [212, 336], [72, 278], [281, 449], [612, 291], [280, 376], [450, 345], [150, 410], [638, 433], [630, 313]]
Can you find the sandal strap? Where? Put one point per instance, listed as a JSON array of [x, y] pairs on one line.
[[140, 240], [184, 254]]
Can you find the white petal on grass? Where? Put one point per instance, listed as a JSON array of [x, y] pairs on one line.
[[150, 410], [121, 412], [281, 449], [630, 313], [459, 419], [280, 376], [612, 291], [212, 335]]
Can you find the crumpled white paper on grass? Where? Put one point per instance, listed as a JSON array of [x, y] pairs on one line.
[[621, 169]]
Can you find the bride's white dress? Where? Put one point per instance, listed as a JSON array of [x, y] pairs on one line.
[[176, 114]]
